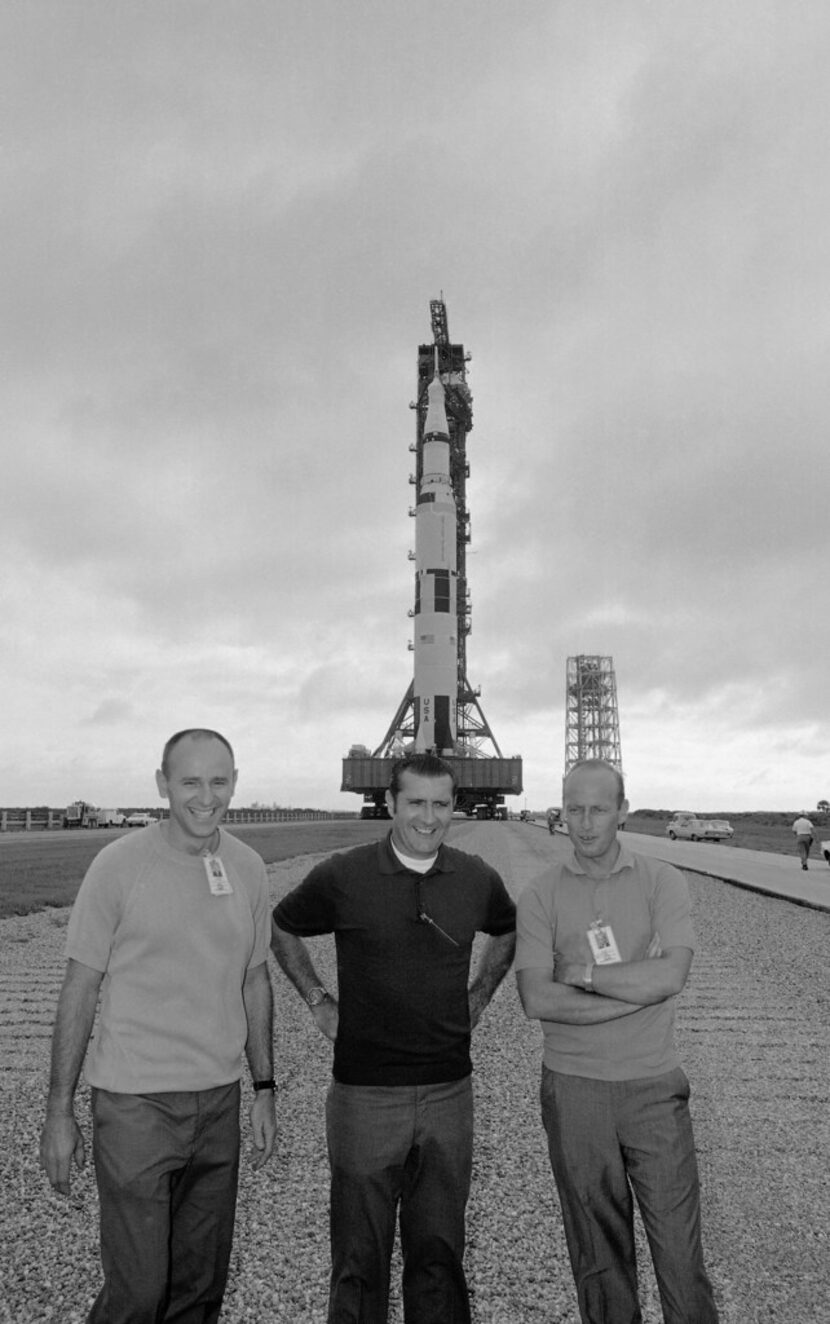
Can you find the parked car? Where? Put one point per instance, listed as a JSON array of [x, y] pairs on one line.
[[139, 820], [689, 827]]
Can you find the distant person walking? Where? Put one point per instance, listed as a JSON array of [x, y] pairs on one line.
[[171, 925], [399, 1113], [803, 829], [604, 944]]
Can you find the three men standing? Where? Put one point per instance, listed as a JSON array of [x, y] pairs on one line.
[[171, 927], [604, 944], [399, 1113]]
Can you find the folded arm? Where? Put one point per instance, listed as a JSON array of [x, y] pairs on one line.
[[544, 999], [642, 982], [618, 989]]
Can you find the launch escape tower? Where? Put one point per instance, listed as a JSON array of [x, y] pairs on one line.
[[440, 709], [593, 724]]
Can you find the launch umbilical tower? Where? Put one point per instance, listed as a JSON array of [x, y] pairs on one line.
[[593, 723]]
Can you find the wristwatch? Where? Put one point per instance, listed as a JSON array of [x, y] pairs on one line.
[[316, 995], [588, 978]]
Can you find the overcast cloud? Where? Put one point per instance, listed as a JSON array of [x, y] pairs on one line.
[[221, 230]]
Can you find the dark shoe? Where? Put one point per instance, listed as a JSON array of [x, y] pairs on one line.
[[804, 866]]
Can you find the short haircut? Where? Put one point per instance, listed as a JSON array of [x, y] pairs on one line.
[[421, 765], [198, 733], [594, 765]]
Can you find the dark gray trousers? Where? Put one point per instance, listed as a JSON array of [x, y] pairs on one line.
[[166, 1167], [605, 1138], [406, 1148]]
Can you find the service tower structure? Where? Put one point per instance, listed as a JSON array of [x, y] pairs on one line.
[[593, 722], [440, 710]]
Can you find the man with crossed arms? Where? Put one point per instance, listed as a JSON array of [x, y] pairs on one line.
[[604, 944]]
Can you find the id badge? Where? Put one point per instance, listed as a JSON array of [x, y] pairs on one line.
[[603, 944], [218, 880]]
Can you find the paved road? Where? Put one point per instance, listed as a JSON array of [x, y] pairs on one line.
[[775, 875]]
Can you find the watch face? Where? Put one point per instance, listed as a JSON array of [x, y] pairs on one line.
[[315, 996]]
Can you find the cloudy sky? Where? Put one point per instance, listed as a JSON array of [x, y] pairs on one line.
[[221, 229]]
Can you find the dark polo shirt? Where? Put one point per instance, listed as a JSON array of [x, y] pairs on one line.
[[402, 984]]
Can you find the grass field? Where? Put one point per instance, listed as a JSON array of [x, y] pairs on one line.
[[749, 833], [40, 869]]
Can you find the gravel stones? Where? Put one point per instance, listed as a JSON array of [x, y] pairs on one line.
[[754, 1034]]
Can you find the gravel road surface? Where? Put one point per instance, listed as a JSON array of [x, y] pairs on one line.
[[754, 1032]]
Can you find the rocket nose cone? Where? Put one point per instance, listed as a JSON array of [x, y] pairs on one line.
[[436, 419]]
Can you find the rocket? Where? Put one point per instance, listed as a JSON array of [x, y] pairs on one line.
[[436, 582]]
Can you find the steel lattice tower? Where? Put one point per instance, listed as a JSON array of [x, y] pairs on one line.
[[593, 723]]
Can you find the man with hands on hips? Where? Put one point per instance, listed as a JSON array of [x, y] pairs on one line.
[[404, 912]]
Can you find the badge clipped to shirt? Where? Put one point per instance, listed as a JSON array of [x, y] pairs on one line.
[[218, 880], [603, 944]]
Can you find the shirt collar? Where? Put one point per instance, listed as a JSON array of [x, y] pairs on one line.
[[388, 861], [625, 860]]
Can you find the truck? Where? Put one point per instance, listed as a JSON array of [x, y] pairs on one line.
[[81, 814], [111, 818]]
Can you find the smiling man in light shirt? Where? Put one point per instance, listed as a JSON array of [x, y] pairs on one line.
[[399, 1115], [171, 928], [605, 944]]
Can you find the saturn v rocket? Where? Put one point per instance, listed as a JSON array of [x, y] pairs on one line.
[[440, 710], [435, 642]]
